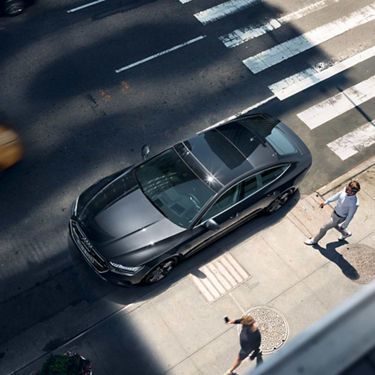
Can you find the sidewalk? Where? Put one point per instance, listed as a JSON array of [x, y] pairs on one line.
[[181, 330]]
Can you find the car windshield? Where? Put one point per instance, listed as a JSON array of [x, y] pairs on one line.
[[173, 188]]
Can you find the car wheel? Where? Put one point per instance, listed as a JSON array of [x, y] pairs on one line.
[[13, 7], [160, 271], [279, 201]]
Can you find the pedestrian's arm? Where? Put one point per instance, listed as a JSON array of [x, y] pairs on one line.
[[232, 321], [351, 213], [333, 198]]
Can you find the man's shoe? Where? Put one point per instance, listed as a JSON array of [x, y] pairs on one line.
[[343, 236], [228, 372], [310, 241]]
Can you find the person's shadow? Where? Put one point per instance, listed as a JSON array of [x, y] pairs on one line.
[[334, 256]]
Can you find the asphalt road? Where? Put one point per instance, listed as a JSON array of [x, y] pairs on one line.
[[81, 120]]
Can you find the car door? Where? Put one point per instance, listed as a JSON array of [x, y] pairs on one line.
[[258, 191], [223, 211], [270, 180], [251, 197], [235, 205]]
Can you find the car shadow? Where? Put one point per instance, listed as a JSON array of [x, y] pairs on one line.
[[334, 256]]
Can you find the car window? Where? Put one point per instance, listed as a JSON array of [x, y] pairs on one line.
[[267, 128], [272, 174], [249, 187], [173, 187], [281, 143], [227, 200]]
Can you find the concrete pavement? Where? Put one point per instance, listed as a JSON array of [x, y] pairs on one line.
[[263, 267]]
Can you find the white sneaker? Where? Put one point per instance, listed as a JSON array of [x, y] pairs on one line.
[[310, 241], [343, 236]]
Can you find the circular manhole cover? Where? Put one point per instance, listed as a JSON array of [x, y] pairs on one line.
[[359, 263], [272, 326]]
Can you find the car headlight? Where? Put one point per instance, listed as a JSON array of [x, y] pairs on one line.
[[127, 270]]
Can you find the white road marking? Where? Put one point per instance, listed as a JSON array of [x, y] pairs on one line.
[[232, 270], [239, 36], [223, 281], [185, 1], [222, 10], [214, 280], [220, 276], [353, 142], [226, 274], [199, 284], [300, 81], [243, 274], [210, 287], [338, 104], [160, 54], [310, 39], [84, 6]]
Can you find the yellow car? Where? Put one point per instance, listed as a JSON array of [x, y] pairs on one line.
[[11, 148]]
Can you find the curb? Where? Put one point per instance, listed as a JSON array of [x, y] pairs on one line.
[[346, 176]]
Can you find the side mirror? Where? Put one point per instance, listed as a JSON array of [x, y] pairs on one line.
[[212, 224], [145, 151]]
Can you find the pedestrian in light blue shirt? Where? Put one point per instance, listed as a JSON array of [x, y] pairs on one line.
[[346, 207]]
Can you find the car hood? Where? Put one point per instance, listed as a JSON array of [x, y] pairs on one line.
[[120, 219]]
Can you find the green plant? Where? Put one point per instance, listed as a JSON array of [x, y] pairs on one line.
[[63, 364]]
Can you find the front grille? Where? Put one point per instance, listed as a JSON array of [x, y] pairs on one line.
[[86, 248]]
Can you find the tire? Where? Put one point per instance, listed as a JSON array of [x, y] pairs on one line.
[[13, 7], [279, 201], [160, 271]]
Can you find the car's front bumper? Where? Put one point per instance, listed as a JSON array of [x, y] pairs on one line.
[[97, 262]]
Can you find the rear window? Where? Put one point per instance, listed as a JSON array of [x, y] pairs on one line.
[[266, 128], [280, 142]]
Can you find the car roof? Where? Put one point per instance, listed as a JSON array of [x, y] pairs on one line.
[[230, 151]]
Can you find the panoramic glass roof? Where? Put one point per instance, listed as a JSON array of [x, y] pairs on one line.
[[231, 150]]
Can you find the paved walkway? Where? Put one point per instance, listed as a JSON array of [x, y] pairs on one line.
[[263, 267]]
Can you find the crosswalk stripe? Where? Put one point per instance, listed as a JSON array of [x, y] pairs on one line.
[[185, 1], [219, 276], [207, 283], [232, 270], [222, 10], [298, 82], [338, 104], [239, 36], [223, 281], [213, 279], [238, 267], [310, 39], [353, 142], [198, 283]]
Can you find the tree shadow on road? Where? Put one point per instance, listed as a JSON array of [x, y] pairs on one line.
[[334, 256]]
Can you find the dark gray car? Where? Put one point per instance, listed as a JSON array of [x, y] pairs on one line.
[[136, 225]]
